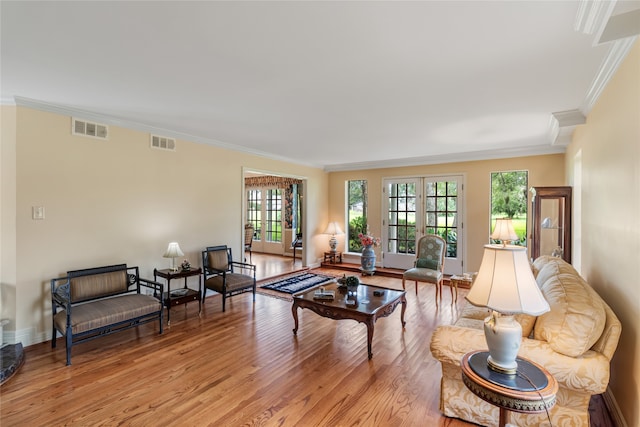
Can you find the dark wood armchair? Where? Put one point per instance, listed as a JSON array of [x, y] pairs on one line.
[[225, 276]]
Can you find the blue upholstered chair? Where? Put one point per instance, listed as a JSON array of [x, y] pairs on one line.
[[429, 264]]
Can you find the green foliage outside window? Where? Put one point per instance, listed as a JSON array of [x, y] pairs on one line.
[[356, 226], [509, 200], [357, 213]]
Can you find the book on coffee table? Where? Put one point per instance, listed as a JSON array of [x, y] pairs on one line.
[[324, 294]]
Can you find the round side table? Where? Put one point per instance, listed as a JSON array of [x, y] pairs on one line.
[[510, 392]]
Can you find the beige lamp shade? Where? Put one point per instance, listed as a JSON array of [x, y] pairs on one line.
[[333, 228], [173, 251], [504, 231], [505, 282]]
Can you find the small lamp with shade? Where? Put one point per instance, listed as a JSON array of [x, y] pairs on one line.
[[505, 284], [333, 228], [173, 252]]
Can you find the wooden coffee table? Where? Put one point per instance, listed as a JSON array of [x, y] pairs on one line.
[[367, 313]]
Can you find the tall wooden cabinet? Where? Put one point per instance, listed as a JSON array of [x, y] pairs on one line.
[[551, 222]]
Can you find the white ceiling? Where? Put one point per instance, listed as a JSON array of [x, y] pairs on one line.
[[340, 85]]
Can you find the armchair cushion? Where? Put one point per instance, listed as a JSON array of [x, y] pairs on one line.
[[423, 275], [431, 264], [234, 282]]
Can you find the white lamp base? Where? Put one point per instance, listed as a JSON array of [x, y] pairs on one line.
[[333, 243], [504, 335]]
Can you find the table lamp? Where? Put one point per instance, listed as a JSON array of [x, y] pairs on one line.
[[504, 231], [173, 252], [506, 285], [333, 228]]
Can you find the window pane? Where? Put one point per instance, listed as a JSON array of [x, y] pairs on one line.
[[509, 200], [254, 211], [402, 217], [356, 213], [273, 211]]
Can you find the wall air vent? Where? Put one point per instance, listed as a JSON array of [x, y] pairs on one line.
[[90, 129], [163, 143]]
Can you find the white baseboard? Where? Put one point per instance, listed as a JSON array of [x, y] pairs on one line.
[[613, 408], [26, 336]]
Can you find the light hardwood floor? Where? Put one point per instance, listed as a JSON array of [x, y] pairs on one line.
[[243, 367]]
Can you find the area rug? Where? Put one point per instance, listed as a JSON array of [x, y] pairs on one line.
[[297, 282]]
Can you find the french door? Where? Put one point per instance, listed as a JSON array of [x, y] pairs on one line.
[[265, 212], [418, 206]]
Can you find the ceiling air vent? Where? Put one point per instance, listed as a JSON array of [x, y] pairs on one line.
[[90, 129], [163, 143]]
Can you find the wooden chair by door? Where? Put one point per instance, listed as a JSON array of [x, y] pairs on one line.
[[297, 244], [248, 239], [429, 263]]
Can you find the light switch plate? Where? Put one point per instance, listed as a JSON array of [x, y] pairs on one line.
[[37, 212]]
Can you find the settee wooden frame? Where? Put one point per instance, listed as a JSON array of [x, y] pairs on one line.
[[62, 298]]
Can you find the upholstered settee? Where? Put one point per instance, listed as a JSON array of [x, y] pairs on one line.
[[94, 302], [574, 341]]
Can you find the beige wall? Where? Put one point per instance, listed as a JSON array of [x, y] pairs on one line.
[[7, 213], [118, 201], [545, 170], [609, 149]]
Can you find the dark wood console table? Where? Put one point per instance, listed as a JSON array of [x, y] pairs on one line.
[[182, 295]]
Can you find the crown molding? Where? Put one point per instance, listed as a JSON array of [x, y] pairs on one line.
[[65, 110], [536, 150], [569, 118], [618, 51], [592, 16], [412, 161], [10, 101], [562, 124]]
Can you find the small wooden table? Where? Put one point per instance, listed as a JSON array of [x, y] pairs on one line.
[[182, 295], [510, 392], [454, 281], [367, 313], [333, 257]]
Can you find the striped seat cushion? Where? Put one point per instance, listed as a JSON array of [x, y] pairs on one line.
[[235, 282], [96, 314]]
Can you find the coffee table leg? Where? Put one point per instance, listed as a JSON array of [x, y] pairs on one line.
[[404, 307], [294, 310], [370, 324]]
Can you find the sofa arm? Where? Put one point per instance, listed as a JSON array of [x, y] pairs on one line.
[[586, 373], [449, 343], [158, 288]]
